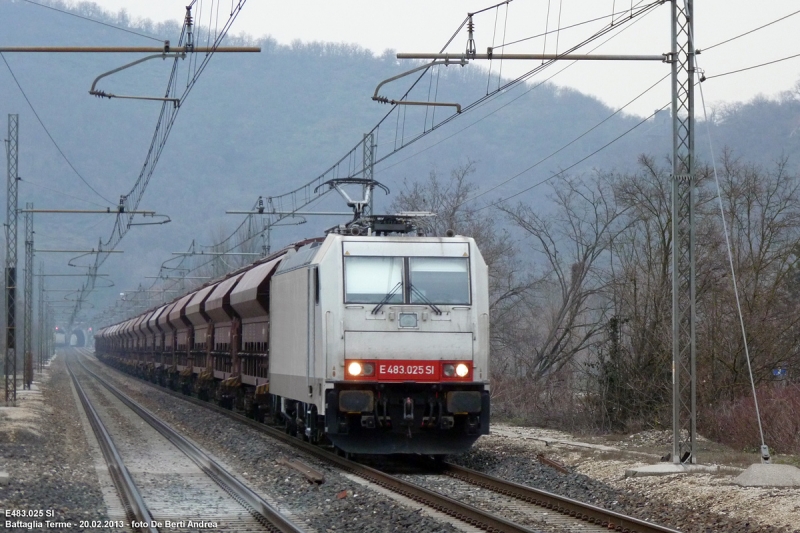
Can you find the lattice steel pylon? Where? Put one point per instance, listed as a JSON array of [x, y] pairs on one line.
[[684, 394], [11, 260], [27, 314], [40, 337], [369, 170]]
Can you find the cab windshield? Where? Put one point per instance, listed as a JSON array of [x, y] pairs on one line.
[[407, 280], [439, 280], [370, 280]]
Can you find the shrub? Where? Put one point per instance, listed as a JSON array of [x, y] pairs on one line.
[[734, 422]]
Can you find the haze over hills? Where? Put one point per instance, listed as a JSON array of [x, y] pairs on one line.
[[264, 124]]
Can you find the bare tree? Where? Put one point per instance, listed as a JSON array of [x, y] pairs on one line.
[[763, 212], [449, 199], [565, 314], [633, 363]]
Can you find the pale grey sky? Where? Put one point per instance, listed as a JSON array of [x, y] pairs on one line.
[[425, 25]]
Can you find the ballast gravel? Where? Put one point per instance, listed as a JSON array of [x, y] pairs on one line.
[[51, 468], [696, 503], [44, 449], [339, 505]]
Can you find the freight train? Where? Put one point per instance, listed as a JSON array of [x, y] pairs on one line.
[[374, 343]]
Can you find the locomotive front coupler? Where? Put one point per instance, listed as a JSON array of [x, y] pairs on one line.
[[408, 411]]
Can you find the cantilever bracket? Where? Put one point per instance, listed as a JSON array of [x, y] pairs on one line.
[[164, 55], [447, 62], [152, 215]]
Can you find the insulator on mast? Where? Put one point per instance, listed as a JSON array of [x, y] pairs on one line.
[[189, 24], [471, 50]]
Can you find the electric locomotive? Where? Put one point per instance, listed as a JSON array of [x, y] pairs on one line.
[[378, 344]]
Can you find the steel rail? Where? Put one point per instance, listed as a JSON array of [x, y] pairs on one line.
[[135, 508], [261, 510], [584, 511], [579, 510], [461, 511]]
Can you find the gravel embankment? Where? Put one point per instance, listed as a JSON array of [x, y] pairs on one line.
[[682, 503], [338, 505], [52, 467], [44, 449]]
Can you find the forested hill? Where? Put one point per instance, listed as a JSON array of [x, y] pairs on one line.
[[263, 124]]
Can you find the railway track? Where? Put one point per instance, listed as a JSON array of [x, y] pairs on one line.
[[535, 508], [165, 482]]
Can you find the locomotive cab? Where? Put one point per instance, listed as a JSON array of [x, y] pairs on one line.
[[382, 344]]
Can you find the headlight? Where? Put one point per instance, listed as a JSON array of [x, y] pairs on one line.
[[462, 370], [359, 369], [354, 369], [449, 370]]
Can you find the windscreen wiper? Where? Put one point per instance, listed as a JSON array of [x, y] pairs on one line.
[[386, 298], [424, 299]]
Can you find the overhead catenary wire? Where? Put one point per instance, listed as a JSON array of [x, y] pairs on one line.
[[530, 89], [707, 48], [571, 26], [225, 250], [546, 27], [558, 29], [41, 122], [376, 129], [163, 128], [563, 171], [643, 11], [505, 28], [494, 34], [406, 144], [765, 64], [399, 128], [516, 194], [94, 20], [573, 141], [591, 129], [45, 187]]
